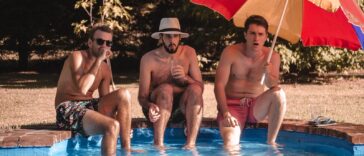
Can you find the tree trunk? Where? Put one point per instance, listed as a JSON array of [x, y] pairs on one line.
[[24, 52]]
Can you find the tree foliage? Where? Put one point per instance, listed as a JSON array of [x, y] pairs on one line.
[[45, 25], [110, 12]]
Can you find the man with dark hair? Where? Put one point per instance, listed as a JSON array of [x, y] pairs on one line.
[[171, 83], [83, 72], [238, 91]]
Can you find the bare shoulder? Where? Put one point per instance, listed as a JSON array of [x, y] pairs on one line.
[[148, 57], [189, 49], [77, 55], [232, 50]]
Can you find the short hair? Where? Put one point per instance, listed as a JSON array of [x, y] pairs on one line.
[[101, 27], [256, 19]]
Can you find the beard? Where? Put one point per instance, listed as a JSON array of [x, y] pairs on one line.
[[169, 48]]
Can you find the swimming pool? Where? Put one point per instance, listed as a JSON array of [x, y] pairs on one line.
[[209, 143]]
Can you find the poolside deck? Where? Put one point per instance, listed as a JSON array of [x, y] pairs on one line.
[[46, 137]]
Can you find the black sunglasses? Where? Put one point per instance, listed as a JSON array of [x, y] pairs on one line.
[[100, 42]]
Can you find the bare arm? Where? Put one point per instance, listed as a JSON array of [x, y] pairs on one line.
[[104, 87], [272, 72], [83, 79], [194, 74], [221, 79], [144, 83]]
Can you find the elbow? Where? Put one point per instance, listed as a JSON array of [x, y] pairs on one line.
[[141, 99], [217, 88], [83, 91]]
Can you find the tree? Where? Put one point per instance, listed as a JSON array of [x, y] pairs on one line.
[[110, 12], [31, 24]]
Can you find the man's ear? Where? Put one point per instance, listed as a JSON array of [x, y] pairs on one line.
[[89, 42]]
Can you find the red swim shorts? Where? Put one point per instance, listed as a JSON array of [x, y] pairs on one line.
[[241, 109]]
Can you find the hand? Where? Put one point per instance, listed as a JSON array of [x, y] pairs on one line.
[[153, 113], [229, 120], [104, 54], [266, 68], [178, 73]]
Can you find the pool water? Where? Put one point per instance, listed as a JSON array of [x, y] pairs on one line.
[[209, 143]]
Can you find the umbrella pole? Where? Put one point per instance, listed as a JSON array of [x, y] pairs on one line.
[[112, 79], [275, 38]]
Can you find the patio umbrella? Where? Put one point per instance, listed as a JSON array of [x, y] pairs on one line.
[[296, 20], [303, 20]]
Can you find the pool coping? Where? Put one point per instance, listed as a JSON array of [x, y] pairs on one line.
[[353, 133]]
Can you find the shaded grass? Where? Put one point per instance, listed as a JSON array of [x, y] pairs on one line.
[[27, 99]]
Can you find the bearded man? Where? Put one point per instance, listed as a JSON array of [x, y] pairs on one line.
[[170, 86]]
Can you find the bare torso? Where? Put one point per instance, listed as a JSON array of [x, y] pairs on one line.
[[161, 67], [67, 88], [245, 74]]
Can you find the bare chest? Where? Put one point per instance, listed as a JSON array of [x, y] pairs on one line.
[[162, 70], [247, 70]]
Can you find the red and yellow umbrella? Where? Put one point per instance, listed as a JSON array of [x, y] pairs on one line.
[[303, 20]]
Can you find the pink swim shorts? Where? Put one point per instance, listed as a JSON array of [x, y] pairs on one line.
[[241, 109]]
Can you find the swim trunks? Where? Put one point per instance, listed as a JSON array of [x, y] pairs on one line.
[[241, 109], [70, 114]]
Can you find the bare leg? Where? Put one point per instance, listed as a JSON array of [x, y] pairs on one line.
[[96, 123], [163, 97], [271, 103], [119, 103], [230, 135], [192, 100]]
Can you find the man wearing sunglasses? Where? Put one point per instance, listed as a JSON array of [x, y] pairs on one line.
[[84, 72], [170, 86]]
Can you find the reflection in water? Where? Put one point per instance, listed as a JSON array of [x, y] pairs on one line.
[[210, 143], [233, 150]]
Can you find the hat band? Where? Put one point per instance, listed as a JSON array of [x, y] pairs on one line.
[[170, 29]]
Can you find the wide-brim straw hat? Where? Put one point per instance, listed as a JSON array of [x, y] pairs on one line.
[[169, 26]]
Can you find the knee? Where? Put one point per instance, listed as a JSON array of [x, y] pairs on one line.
[[165, 93], [112, 128], [195, 94], [194, 90], [124, 96], [280, 95]]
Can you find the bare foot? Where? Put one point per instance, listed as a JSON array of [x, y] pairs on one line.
[[275, 148], [129, 150], [189, 147], [160, 147], [274, 144]]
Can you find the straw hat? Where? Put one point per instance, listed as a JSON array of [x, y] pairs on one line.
[[169, 26]]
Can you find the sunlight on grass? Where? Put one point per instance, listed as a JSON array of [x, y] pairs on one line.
[[342, 100]]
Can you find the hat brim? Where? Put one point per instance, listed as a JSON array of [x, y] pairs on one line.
[[156, 34]]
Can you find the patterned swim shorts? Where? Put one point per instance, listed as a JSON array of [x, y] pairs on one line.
[[70, 114]]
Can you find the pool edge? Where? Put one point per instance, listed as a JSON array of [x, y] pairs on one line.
[[352, 133]]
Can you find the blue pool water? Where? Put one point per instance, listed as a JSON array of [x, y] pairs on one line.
[[209, 143]]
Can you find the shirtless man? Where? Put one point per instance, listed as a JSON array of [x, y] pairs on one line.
[[83, 72], [239, 93], [170, 79]]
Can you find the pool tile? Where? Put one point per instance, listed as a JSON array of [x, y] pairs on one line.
[[9, 141]]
